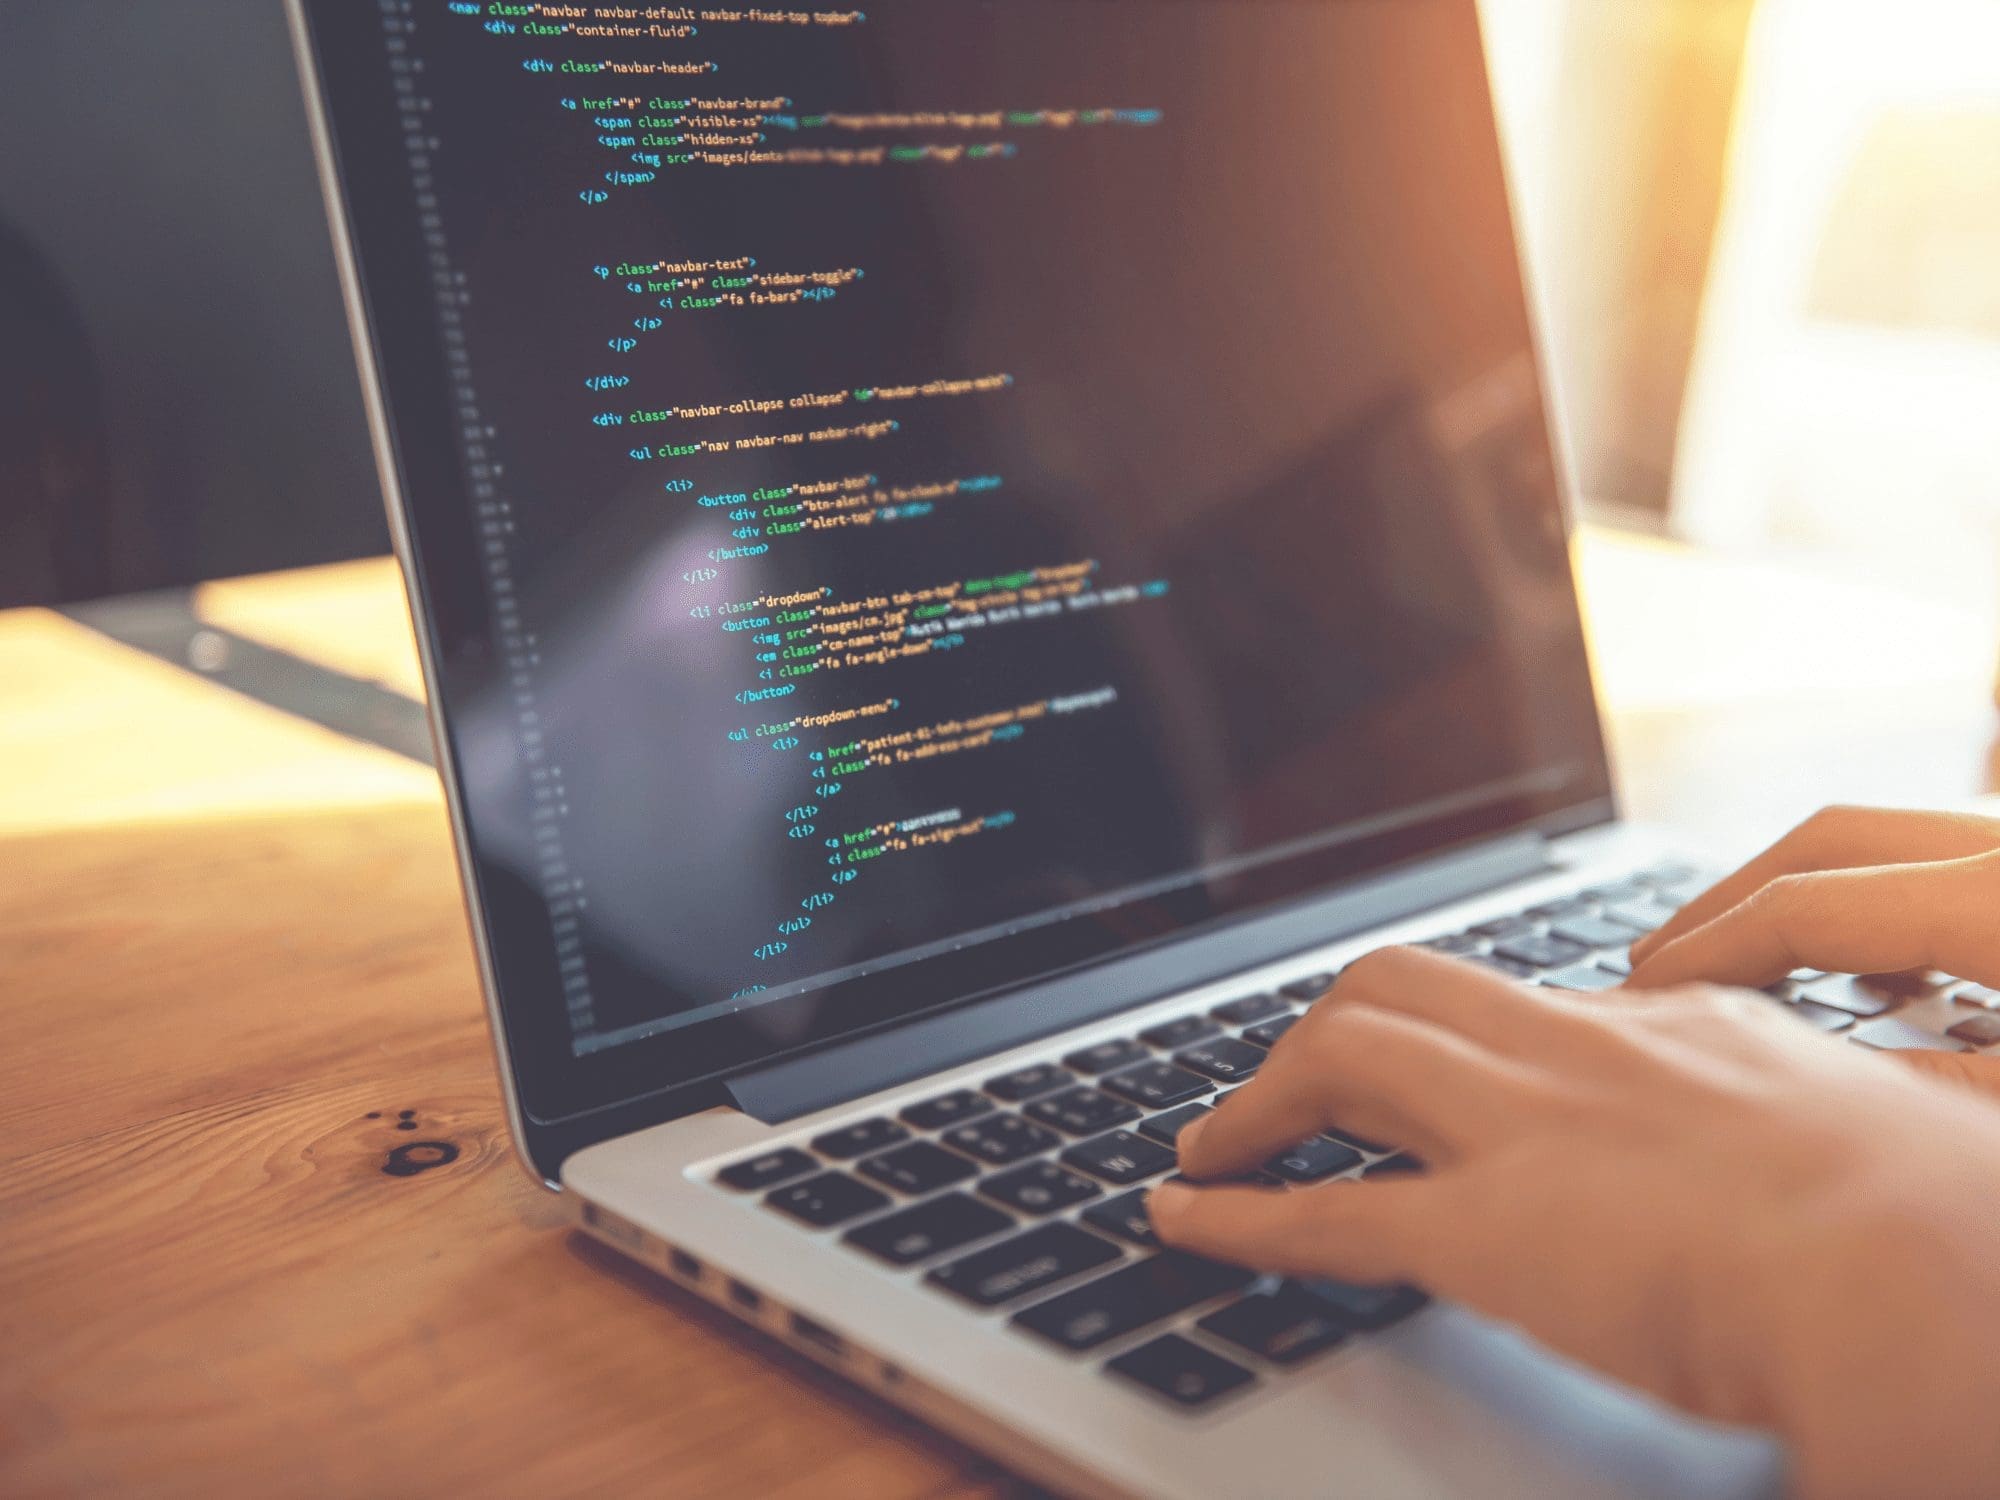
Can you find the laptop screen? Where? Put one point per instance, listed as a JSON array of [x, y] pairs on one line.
[[909, 499]]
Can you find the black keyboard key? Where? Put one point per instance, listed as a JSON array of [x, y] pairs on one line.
[[1000, 1139], [1349, 1138], [830, 1198], [1456, 944], [1129, 1299], [1241, 1012], [947, 1109], [919, 1167], [1556, 911], [1309, 988], [1367, 1307], [1104, 1056], [1024, 1264], [1501, 927], [1311, 1160], [1891, 1034], [1081, 1111], [1026, 1083], [1284, 1326], [1157, 1085], [1180, 1370], [1124, 1216], [1641, 916], [1266, 1033], [1120, 1158], [1402, 1164], [1540, 952], [1672, 873], [1167, 1126], [1592, 932], [1171, 1034], [1981, 1030], [1501, 965], [860, 1138], [1225, 1059], [1620, 890], [768, 1170], [1584, 979], [1041, 1187], [929, 1229], [1615, 963]]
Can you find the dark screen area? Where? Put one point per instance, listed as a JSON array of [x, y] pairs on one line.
[[928, 485], [177, 391]]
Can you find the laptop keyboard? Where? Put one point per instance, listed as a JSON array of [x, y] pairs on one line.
[[1027, 1195]]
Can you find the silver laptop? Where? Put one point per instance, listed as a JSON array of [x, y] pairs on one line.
[[968, 555]]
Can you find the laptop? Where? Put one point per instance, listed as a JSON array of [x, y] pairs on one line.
[[968, 555]]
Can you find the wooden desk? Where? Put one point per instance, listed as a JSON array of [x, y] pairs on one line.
[[239, 1005]]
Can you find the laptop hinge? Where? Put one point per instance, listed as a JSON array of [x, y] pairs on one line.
[[786, 1090]]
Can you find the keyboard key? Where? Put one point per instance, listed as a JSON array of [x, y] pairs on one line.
[[1120, 1158], [1156, 1085], [1616, 963], [1453, 943], [929, 1229], [1540, 952], [1266, 1033], [1402, 1164], [1124, 1216], [1081, 1111], [1311, 1160], [1366, 1307], [1845, 992], [918, 1168], [1105, 1056], [859, 1138], [1180, 1370], [1556, 911], [768, 1170], [1171, 1034], [1806, 976], [1672, 873], [1167, 1126], [1825, 1017], [947, 1109], [1502, 927], [1024, 1264], [1284, 1326], [830, 1198], [1617, 891], [1976, 994], [1026, 1083], [1980, 1030], [1641, 916], [1892, 1035], [1041, 1187], [1242, 1012], [1225, 1059], [1507, 966], [1129, 1299], [1592, 932], [1311, 987], [1000, 1139], [1361, 1142], [1583, 978]]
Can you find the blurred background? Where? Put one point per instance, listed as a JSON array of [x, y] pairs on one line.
[[1765, 235]]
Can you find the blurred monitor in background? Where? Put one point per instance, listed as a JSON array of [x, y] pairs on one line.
[[178, 400]]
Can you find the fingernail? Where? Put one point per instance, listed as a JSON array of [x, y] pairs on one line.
[[1190, 1133], [1170, 1197]]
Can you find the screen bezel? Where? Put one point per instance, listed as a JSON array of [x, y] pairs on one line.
[[403, 369]]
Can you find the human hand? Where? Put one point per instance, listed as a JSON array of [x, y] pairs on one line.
[[1686, 1189], [1856, 890]]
